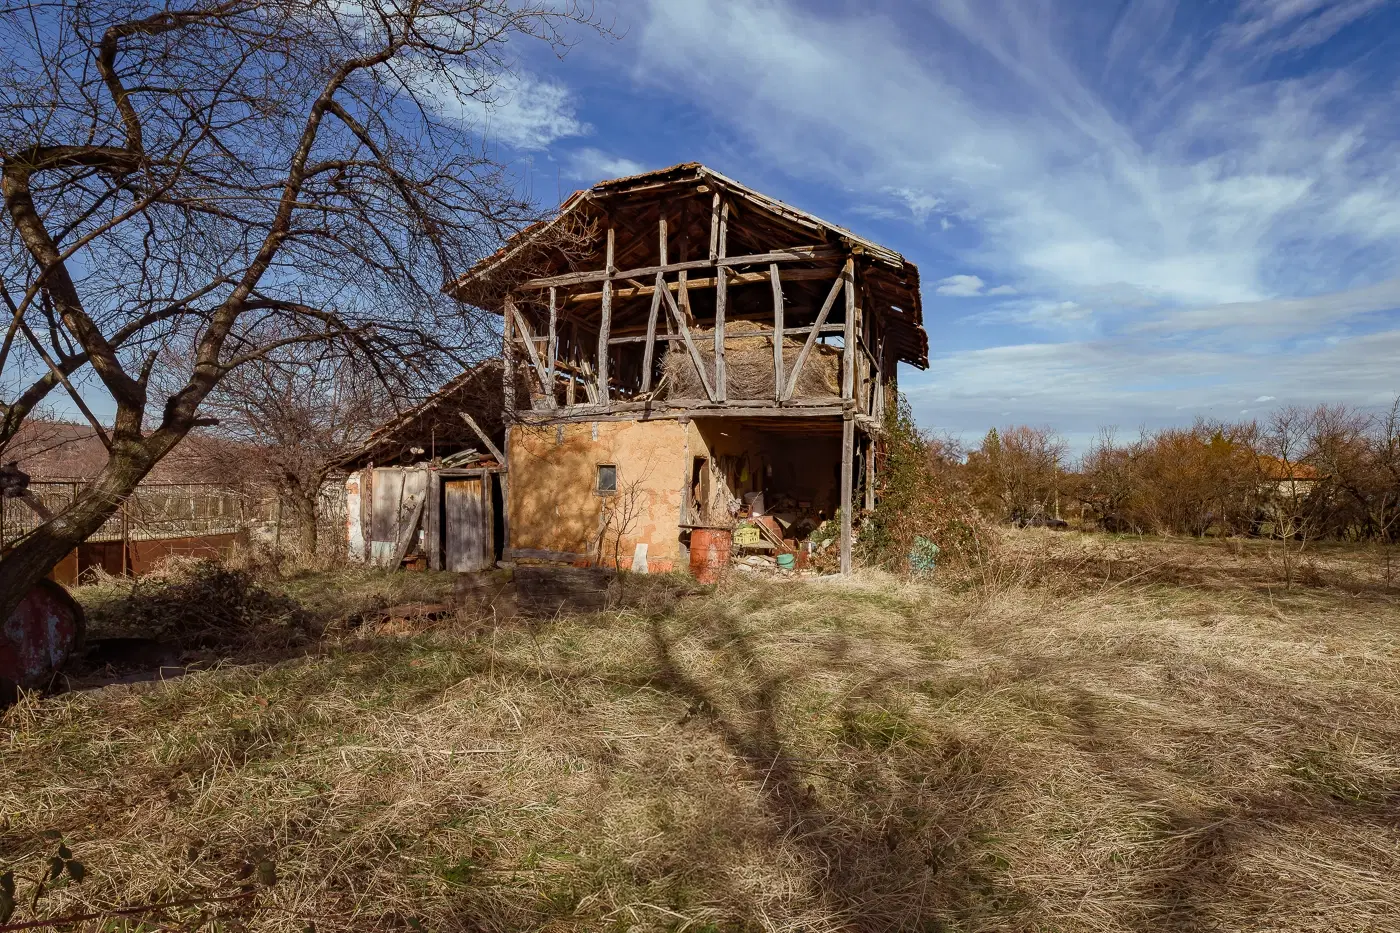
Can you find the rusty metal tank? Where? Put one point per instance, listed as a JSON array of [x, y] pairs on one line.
[[39, 637], [709, 553]]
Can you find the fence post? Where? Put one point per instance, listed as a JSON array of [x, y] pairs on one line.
[[126, 540]]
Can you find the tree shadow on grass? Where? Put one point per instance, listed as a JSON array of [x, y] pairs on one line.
[[884, 830]]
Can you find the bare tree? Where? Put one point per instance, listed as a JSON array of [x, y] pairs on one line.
[[191, 186], [295, 418]]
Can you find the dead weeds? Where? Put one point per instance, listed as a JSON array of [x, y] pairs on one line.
[[1038, 750]]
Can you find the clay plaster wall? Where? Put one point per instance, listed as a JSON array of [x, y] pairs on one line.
[[554, 505]]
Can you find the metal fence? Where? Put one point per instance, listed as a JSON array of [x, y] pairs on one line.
[[177, 510]]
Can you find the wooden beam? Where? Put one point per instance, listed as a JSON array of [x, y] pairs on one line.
[[721, 299], [552, 347], [741, 335], [606, 324], [817, 328], [528, 338], [777, 333], [507, 356], [485, 438], [695, 357], [648, 355], [792, 417], [848, 437], [787, 254], [848, 339], [793, 274], [870, 474], [714, 227], [570, 391]]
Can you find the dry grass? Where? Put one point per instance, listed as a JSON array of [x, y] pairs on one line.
[[1199, 747]]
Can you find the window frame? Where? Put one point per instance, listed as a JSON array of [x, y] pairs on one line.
[[598, 489]]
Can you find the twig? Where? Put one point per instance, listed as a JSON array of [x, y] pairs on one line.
[[123, 912]]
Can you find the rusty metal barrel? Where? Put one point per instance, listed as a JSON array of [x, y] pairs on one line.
[[39, 637], [709, 553]]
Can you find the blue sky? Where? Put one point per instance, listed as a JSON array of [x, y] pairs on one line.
[[1125, 214]]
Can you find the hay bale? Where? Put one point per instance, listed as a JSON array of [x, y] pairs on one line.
[[749, 363]]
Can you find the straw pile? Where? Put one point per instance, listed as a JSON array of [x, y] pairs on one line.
[[749, 364]]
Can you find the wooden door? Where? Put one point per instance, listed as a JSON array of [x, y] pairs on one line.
[[468, 520]]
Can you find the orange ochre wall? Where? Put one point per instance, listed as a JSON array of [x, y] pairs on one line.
[[554, 503]]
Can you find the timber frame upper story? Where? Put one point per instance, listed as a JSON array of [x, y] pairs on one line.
[[665, 268]]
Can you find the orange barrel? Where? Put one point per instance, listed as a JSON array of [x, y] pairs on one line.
[[709, 553]]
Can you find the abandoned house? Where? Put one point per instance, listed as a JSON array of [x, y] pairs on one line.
[[683, 359], [428, 486]]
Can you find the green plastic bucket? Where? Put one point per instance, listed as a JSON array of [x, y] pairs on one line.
[[787, 561]]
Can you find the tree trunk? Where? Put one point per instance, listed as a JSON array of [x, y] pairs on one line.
[[305, 508], [36, 555]]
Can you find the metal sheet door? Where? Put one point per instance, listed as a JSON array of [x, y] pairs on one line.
[[468, 520]]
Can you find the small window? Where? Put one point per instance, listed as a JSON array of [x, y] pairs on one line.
[[607, 479]]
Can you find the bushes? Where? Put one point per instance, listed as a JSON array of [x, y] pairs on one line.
[[923, 493]]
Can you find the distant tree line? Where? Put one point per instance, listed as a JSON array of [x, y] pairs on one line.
[[1327, 472]]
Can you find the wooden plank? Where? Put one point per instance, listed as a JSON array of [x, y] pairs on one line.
[[432, 525], [525, 553], [507, 355], [848, 436], [648, 354], [731, 335], [484, 437], [817, 327], [606, 325], [468, 524], [777, 333], [695, 357], [407, 534], [552, 347]]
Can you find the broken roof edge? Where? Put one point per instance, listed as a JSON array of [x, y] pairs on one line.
[[384, 434], [680, 173], [474, 285]]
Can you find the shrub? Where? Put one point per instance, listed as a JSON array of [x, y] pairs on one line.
[[923, 493]]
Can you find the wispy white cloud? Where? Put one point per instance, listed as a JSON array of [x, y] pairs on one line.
[[1147, 183], [960, 286], [594, 165], [519, 109], [1001, 290]]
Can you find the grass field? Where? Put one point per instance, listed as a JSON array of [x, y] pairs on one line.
[[1095, 734]]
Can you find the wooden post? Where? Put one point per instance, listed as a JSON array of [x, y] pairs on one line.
[[605, 326], [714, 227], [870, 474], [507, 356], [848, 437], [432, 520], [571, 390], [648, 355], [848, 338], [721, 299], [504, 479], [551, 347], [777, 333]]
